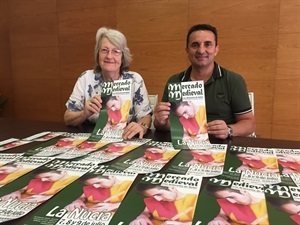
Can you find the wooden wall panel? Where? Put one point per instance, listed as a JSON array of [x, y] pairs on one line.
[[71, 5], [291, 132], [289, 17], [152, 21], [286, 119], [34, 55], [38, 99], [253, 57], [35, 63], [5, 60], [34, 30], [287, 103], [31, 7]]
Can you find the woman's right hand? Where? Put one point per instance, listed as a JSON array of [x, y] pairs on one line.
[[92, 106]]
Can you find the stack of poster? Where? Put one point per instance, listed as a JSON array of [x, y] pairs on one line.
[[160, 198], [55, 147], [224, 201], [12, 143], [114, 150], [82, 149], [201, 162], [283, 203], [252, 165], [34, 188], [15, 142], [188, 115], [148, 158], [43, 136], [20, 166], [289, 161], [92, 199], [116, 102], [8, 157]]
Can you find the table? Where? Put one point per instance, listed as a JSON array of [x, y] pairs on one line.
[[11, 128]]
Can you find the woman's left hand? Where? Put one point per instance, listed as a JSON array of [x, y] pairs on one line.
[[132, 129]]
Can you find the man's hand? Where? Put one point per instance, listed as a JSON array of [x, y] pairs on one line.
[[13, 195], [219, 220], [162, 114], [78, 203], [141, 220], [103, 206], [171, 222], [218, 128], [39, 198]]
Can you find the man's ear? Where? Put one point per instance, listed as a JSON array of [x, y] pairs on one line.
[[217, 50], [243, 192], [172, 188]]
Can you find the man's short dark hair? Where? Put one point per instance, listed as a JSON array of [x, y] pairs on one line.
[[212, 189], [202, 27], [141, 187], [175, 105]]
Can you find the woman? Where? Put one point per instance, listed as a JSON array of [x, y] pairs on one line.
[[112, 58]]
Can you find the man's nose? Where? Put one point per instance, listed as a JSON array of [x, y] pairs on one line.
[[201, 48], [158, 198]]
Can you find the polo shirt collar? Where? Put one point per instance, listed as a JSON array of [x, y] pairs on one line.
[[216, 73]]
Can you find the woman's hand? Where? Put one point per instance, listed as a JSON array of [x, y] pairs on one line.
[[132, 129], [92, 106]]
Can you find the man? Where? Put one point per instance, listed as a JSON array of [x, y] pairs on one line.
[[118, 148], [238, 207], [157, 155], [165, 205], [287, 205], [207, 157], [11, 171], [257, 162], [117, 111], [101, 193], [192, 119], [290, 164], [228, 106], [44, 184]]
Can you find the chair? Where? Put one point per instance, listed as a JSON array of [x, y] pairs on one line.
[[153, 102], [251, 98]]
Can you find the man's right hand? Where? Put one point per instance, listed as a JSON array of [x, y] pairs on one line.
[[78, 203], [161, 115], [219, 220], [141, 220]]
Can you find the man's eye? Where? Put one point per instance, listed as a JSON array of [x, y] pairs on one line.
[[208, 44]]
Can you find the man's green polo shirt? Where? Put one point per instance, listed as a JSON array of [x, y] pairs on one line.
[[226, 94]]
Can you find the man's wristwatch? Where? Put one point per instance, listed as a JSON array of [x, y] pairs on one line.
[[230, 132]]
